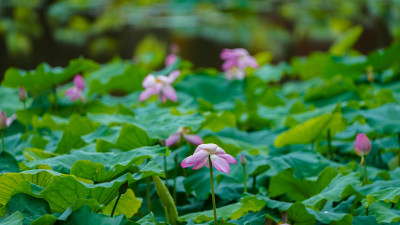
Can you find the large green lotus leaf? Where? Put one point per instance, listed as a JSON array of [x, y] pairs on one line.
[[225, 212], [31, 207], [310, 130], [378, 186], [63, 191], [389, 194], [14, 219], [9, 100], [384, 119], [8, 163], [271, 73], [124, 138], [216, 90], [15, 144], [45, 77], [330, 88], [310, 67], [339, 188], [49, 121], [331, 218], [158, 123], [384, 58], [297, 212], [85, 216], [95, 165], [117, 77], [299, 190], [68, 142], [249, 203], [346, 41], [384, 213], [306, 164], [29, 182], [128, 205], [219, 121]]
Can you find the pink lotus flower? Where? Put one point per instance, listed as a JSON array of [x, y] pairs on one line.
[[161, 86], [22, 95], [243, 159], [76, 92], [362, 145], [6, 122], [172, 57], [220, 160], [234, 73], [238, 57], [183, 132]]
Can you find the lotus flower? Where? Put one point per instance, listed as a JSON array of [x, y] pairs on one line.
[[362, 145], [220, 160], [76, 92], [172, 57], [22, 95], [237, 57], [161, 86], [243, 159], [6, 122], [183, 132]]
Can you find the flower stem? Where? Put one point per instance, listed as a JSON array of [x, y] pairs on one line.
[[55, 99], [115, 205], [175, 175], [329, 142], [212, 191], [365, 172], [148, 194], [26, 125], [166, 171], [244, 178], [254, 183], [2, 140]]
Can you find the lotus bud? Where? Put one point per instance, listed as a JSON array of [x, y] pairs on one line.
[[362, 145], [22, 95], [3, 120], [243, 159]]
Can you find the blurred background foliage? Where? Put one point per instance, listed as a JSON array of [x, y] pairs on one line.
[[55, 31]]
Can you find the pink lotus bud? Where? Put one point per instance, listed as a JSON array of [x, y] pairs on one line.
[[22, 95], [79, 82], [243, 159], [3, 120], [362, 145]]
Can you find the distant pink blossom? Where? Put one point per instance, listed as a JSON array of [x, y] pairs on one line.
[[173, 56], [6, 122], [183, 132], [170, 59], [22, 95], [234, 73], [220, 160], [243, 159], [161, 86], [76, 92], [238, 57], [362, 145]]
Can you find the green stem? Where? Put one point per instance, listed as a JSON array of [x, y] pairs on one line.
[[175, 175], [55, 99], [166, 171], [212, 191], [244, 178], [166, 215], [148, 194], [2, 140], [365, 172], [26, 125], [398, 156], [115, 205], [329, 142], [254, 183]]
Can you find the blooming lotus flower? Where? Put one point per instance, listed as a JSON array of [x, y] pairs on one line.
[[220, 160], [6, 122], [234, 73], [161, 86], [183, 132], [362, 145], [172, 57], [76, 92], [22, 95], [238, 57]]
